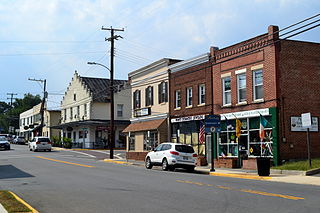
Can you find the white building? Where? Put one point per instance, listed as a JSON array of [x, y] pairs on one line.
[[30, 120], [85, 111]]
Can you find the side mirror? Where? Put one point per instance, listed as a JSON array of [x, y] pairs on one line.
[[153, 149]]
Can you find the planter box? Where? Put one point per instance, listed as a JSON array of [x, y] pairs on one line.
[[225, 163], [250, 164]]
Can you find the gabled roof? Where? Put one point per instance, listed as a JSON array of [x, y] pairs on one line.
[[99, 87]]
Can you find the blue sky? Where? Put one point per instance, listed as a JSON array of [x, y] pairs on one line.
[[50, 39]]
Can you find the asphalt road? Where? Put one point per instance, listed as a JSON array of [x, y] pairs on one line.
[[64, 181]]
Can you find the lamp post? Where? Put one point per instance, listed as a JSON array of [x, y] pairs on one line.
[[112, 138]]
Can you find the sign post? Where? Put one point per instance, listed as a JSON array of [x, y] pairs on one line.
[[213, 126], [306, 123]]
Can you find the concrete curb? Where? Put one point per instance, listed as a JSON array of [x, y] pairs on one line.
[[295, 172], [287, 172], [33, 210], [2, 209]]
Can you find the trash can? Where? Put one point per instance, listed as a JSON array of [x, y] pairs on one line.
[[263, 165]]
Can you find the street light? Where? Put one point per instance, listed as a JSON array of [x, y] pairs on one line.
[[112, 107]]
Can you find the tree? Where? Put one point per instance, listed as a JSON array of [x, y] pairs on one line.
[[9, 116]]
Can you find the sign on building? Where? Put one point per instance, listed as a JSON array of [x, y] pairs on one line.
[[296, 124]]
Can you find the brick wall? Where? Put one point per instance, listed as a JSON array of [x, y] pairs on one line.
[[299, 65], [191, 77], [246, 55], [139, 156]]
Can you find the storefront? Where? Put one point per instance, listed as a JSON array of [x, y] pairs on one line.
[[145, 136], [248, 143], [186, 130]]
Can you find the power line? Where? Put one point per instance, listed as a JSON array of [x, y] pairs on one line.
[[11, 98], [44, 54]]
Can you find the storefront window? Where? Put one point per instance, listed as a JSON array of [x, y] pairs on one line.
[[249, 140], [188, 134], [150, 141], [132, 142]]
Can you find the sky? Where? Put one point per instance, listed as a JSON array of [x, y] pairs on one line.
[[50, 39]]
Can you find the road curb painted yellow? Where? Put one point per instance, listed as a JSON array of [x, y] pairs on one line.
[[116, 161], [33, 210], [243, 176]]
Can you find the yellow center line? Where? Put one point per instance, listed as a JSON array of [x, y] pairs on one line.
[[244, 190], [60, 161], [272, 194]]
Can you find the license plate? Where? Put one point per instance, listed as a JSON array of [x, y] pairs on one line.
[[185, 158]]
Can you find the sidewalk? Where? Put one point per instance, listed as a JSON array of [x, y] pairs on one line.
[[275, 176]]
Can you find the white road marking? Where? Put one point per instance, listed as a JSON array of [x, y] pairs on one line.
[[92, 156]]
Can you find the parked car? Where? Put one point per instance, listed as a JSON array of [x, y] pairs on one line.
[[8, 137], [19, 140], [4, 143], [172, 155], [40, 143]]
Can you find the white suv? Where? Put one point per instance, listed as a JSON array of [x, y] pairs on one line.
[[171, 156], [40, 143]]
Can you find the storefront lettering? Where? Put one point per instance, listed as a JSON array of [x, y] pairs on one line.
[[245, 114], [188, 118]]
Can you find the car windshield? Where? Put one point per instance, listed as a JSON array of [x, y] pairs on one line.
[[2, 138], [43, 140], [184, 148]]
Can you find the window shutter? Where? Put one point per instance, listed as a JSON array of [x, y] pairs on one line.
[[151, 96], [134, 100], [166, 92], [159, 92], [146, 96], [139, 99]]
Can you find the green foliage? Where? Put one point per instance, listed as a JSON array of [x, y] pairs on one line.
[[300, 165], [67, 142], [9, 116], [11, 204], [56, 141]]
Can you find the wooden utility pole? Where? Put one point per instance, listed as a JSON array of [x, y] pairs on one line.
[[112, 129]]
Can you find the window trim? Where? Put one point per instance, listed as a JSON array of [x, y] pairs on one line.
[[176, 99], [255, 99], [118, 115], [189, 98], [204, 94], [238, 88], [224, 92]]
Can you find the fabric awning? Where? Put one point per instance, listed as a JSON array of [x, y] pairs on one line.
[[142, 126]]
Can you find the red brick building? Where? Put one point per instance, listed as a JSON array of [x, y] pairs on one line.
[[269, 77], [190, 100]]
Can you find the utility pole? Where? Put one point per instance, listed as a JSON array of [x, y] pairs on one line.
[[10, 128], [11, 98], [112, 129], [42, 103]]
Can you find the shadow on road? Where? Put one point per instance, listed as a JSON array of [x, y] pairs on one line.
[[9, 171]]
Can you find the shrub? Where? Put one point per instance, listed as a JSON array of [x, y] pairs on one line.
[[67, 143], [56, 141]]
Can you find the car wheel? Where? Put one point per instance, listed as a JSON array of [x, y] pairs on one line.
[[49, 150], [165, 165], [171, 168], [148, 163]]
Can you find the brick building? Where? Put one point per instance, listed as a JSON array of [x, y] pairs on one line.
[[271, 79], [190, 100]]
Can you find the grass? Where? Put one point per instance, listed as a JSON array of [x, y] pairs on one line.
[[11, 204], [300, 165]]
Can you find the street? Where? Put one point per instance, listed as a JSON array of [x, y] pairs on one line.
[[66, 181]]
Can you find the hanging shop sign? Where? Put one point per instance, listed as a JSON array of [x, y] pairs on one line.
[[245, 114], [296, 124], [188, 118]]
